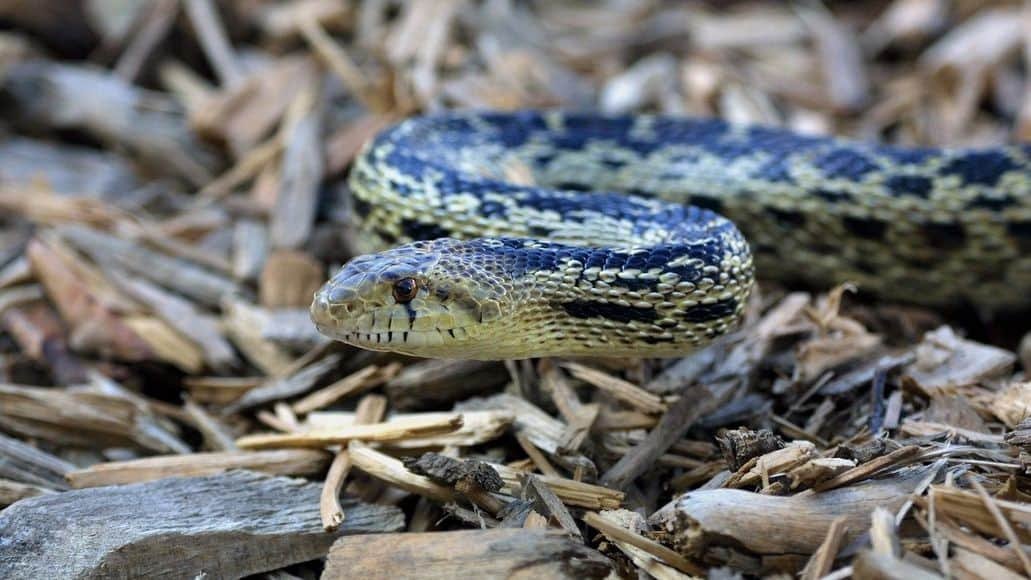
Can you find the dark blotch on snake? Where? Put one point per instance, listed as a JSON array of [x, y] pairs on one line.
[[786, 217], [916, 185], [980, 167], [867, 228], [944, 236], [624, 314], [417, 230], [1021, 232], [845, 163], [991, 203], [714, 311]]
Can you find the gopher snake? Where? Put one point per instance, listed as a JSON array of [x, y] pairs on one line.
[[552, 265]]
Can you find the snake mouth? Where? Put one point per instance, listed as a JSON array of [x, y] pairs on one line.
[[424, 343]]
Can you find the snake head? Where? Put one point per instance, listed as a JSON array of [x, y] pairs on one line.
[[424, 299]]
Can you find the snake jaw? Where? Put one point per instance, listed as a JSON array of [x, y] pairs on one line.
[[456, 302]]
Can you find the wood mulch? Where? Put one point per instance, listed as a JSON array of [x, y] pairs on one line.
[[172, 191]]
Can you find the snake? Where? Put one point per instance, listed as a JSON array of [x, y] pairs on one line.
[[520, 234]]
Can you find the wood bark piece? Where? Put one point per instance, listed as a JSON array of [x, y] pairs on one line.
[[78, 98], [299, 379], [244, 115], [26, 464], [186, 278], [85, 307], [376, 432], [81, 419], [873, 566], [500, 553], [12, 491], [944, 360], [777, 525], [184, 317], [36, 327], [691, 406], [434, 382], [223, 526], [243, 323], [65, 169], [547, 503], [292, 221], [619, 533], [570, 491], [477, 427], [212, 36]]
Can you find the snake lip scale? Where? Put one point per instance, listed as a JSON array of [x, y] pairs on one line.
[[543, 233]]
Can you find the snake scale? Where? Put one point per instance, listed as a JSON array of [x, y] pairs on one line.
[[524, 234]]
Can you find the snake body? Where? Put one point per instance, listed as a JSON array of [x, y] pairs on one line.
[[545, 233]]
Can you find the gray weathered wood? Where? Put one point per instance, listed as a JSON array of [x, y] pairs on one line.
[[224, 526], [26, 464]]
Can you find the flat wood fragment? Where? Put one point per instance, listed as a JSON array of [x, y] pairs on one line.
[[873, 566], [822, 560], [353, 384], [624, 391], [66, 169], [300, 175], [79, 418], [289, 384], [84, 306], [674, 423], [243, 322], [274, 462], [184, 318], [200, 284], [230, 525], [67, 97], [12, 491], [505, 553], [478, 427], [549, 504], [24, 463], [379, 432], [433, 382], [945, 360]]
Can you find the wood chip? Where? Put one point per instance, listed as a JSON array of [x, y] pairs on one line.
[[276, 462], [479, 553], [380, 432], [209, 518]]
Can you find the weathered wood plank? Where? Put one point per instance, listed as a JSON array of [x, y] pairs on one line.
[[224, 526]]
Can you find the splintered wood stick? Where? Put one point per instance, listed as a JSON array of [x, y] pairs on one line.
[[370, 410], [570, 491], [386, 468], [822, 560], [276, 462], [213, 40], [652, 547], [379, 432]]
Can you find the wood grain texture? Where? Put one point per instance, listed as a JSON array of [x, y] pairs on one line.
[[498, 553], [224, 526]]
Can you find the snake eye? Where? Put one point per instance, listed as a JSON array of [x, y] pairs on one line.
[[405, 290]]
